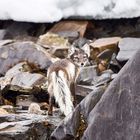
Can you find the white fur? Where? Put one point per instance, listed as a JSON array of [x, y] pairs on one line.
[[71, 69], [62, 92]]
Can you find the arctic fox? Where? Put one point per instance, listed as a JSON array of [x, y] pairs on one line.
[[62, 77]]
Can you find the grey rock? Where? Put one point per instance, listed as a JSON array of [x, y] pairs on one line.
[[19, 78], [128, 47], [87, 75], [104, 78], [116, 116], [80, 42], [68, 128], [26, 126], [111, 116], [11, 54], [71, 35]]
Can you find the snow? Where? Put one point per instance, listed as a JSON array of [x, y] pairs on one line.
[[54, 10]]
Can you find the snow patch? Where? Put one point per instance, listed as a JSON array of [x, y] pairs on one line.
[[54, 10]]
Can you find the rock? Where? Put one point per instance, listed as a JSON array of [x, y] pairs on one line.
[[8, 108], [27, 80], [4, 34], [128, 47], [26, 126], [70, 35], [3, 111], [87, 75], [114, 64], [106, 43], [73, 26], [71, 126], [18, 78], [56, 44], [104, 78], [83, 90], [11, 54], [116, 116], [5, 42], [80, 42], [34, 108]]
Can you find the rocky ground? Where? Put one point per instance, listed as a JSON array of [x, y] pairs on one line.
[[107, 91]]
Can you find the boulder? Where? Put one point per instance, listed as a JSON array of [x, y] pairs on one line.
[[74, 124], [116, 116], [128, 47], [87, 75], [73, 26], [13, 53], [70, 35], [113, 115], [106, 43], [3, 111], [55, 44], [19, 78], [26, 126]]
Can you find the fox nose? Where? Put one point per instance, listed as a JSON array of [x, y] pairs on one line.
[[82, 64]]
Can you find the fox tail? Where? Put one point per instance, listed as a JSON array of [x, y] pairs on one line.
[[62, 92]]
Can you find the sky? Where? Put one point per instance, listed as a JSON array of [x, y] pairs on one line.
[[55, 10]]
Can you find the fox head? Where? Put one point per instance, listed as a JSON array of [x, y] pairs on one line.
[[79, 56]]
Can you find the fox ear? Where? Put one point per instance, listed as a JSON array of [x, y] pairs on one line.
[[71, 51], [86, 49]]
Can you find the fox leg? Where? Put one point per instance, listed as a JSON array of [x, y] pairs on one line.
[[51, 99], [72, 89], [51, 104]]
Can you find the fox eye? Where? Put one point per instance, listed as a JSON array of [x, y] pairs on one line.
[[75, 58], [85, 57]]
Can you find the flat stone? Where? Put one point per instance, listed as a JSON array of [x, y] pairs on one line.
[[19, 78], [3, 111], [106, 43], [83, 90], [26, 126], [5, 42], [87, 75], [104, 78], [56, 45], [13, 53], [70, 35], [8, 108], [128, 47], [78, 26]]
